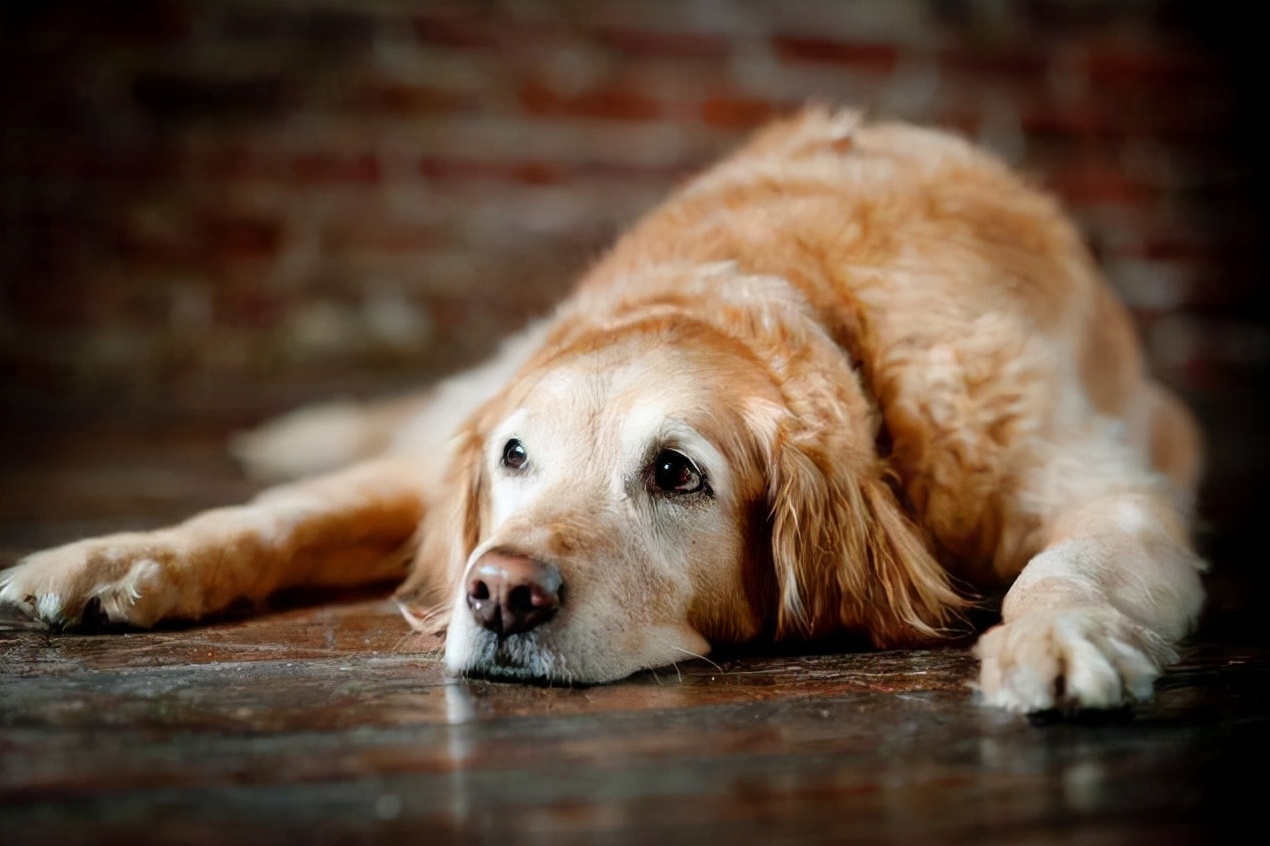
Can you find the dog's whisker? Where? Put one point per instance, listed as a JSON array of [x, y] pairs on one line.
[[700, 657], [404, 643]]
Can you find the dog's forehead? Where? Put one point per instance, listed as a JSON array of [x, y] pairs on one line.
[[647, 387], [622, 403], [570, 384]]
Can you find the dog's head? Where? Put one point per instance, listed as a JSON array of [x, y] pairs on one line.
[[678, 476]]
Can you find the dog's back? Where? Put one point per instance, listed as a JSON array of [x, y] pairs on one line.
[[982, 328]]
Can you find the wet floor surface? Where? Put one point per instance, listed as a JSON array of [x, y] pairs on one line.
[[328, 722]]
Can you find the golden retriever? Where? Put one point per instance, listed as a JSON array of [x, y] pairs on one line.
[[846, 381]]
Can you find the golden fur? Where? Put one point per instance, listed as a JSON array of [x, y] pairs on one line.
[[887, 375]]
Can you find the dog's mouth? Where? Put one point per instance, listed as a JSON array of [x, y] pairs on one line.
[[518, 657]]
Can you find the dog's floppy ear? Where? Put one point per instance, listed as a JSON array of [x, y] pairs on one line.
[[847, 557], [450, 530]]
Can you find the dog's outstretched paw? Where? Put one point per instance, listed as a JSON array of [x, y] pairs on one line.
[[1065, 659], [123, 579]]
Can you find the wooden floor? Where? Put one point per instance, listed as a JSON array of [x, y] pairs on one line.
[[329, 723]]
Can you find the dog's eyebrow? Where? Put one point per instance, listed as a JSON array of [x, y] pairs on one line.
[[508, 427]]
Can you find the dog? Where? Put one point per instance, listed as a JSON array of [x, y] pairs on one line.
[[846, 382]]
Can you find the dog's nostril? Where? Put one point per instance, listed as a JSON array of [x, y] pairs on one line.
[[520, 599], [513, 593]]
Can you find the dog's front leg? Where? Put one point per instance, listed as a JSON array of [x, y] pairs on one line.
[[1093, 618], [346, 528]]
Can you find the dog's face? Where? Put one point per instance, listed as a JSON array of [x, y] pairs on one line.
[[643, 491], [614, 493]]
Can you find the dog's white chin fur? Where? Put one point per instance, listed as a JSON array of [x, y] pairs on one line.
[[568, 654]]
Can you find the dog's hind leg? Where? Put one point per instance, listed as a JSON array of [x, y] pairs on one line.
[[323, 437], [354, 526]]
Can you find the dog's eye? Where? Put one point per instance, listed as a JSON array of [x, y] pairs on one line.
[[674, 472], [514, 455]]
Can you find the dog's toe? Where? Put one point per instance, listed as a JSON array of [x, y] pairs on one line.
[[120, 577], [1071, 658]]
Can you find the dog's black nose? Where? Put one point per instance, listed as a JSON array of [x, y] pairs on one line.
[[512, 593]]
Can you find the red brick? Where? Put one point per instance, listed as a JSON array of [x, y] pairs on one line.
[[733, 112], [606, 103], [527, 172], [241, 164], [1118, 63], [402, 99], [1083, 120], [246, 302], [1098, 183], [537, 173], [377, 231], [235, 238], [1179, 118], [474, 31], [328, 168], [879, 58], [453, 169], [231, 163], [962, 120], [665, 44], [455, 31], [1028, 64]]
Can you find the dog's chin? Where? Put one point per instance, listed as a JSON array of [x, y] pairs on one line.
[[518, 657], [533, 658]]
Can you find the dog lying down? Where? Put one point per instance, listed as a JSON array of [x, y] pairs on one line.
[[844, 382]]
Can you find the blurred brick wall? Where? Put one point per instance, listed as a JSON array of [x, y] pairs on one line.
[[221, 207]]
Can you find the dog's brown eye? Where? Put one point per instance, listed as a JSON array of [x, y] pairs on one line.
[[514, 455], [674, 472]]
